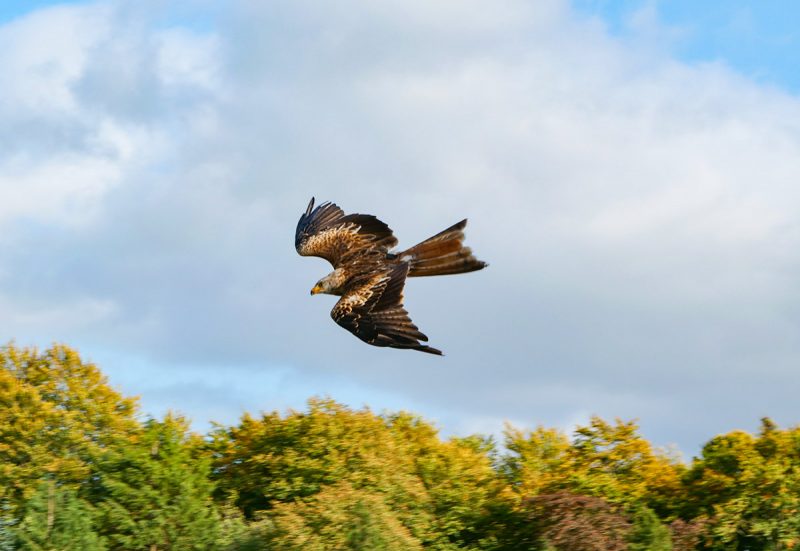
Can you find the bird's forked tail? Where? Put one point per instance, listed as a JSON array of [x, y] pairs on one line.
[[442, 254]]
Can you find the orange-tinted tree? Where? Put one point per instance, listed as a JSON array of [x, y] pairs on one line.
[[57, 414]]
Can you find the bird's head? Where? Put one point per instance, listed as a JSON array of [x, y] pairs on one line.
[[318, 288], [331, 284]]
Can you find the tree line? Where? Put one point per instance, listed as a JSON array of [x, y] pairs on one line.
[[81, 468]]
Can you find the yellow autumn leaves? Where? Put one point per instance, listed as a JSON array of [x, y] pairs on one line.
[[80, 468]]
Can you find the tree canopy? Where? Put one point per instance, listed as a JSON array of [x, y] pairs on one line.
[[81, 468]]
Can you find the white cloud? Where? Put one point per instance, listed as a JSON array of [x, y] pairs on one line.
[[28, 318], [50, 50], [186, 59], [59, 191], [640, 215]]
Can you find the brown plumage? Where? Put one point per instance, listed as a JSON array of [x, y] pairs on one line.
[[369, 278]]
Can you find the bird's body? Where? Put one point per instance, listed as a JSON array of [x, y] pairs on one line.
[[369, 278]]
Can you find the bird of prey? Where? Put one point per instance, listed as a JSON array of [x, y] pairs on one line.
[[369, 278]]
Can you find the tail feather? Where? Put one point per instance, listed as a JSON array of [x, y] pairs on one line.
[[442, 254]]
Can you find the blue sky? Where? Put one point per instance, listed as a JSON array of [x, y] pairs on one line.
[[628, 169], [15, 8], [759, 39]]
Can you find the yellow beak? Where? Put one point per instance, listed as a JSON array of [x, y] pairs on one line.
[[316, 289]]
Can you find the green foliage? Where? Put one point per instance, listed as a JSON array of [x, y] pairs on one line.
[[7, 524], [153, 492], [78, 470], [749, 486], [437, 491], [343, 518], [612, 462], [648, 533], [56, 519], [57, 414], [235, 533], [461, 485]]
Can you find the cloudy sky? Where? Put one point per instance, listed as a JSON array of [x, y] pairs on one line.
[[629, 169]]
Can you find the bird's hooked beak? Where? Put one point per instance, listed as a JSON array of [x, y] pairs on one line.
[[317, 289]]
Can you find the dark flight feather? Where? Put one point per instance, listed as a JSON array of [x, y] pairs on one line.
[[374, 313]]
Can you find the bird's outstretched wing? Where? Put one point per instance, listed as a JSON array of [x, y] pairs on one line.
[[329, 233], [373, 311]]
